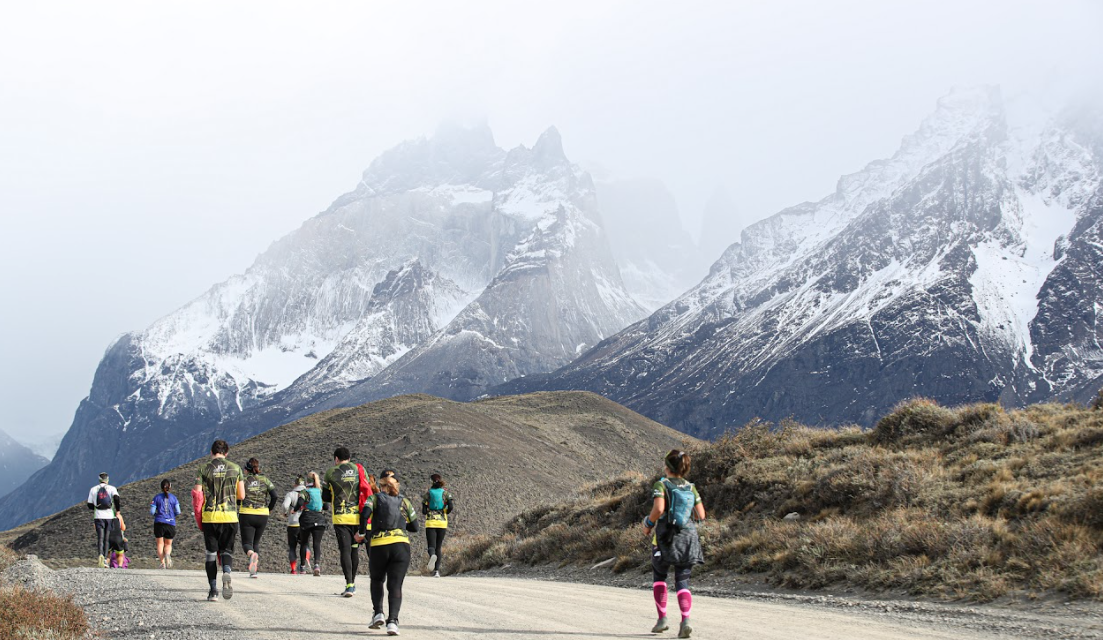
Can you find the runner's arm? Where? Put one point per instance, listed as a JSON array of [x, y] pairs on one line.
[[411, 516], [197, 505], [240, 490], [449, 503], [153, 506], [273, 499], [365, 515]]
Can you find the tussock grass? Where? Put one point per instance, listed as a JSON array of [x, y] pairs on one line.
[[973, 503]]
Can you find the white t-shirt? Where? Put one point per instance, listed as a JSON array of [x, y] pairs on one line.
[[103, 514]]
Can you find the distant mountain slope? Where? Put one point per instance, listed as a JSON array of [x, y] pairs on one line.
[[499, 456], [493, 258], [967, 267], [17, 463]]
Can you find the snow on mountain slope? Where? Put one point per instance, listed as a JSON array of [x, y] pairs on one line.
[[430, 225], [921, 274]]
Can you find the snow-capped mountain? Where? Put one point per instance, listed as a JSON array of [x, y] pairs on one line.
[[657, 258], [966, 267], [434, 231]]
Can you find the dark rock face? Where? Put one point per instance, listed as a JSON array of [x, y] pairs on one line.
[[966, 268]]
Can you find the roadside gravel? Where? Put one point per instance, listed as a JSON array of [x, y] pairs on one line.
[[508, 604], [127, 605]]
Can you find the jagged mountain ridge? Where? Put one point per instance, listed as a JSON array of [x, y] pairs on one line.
[[965, 268], [431, 224]]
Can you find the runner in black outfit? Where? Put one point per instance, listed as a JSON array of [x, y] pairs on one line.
[[392, 517], [260, 499]]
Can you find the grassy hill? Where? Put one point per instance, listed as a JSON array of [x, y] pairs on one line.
[[969, 503], [500, 456]]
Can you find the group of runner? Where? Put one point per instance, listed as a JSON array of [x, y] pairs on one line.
[[363, 509], [228, 500]]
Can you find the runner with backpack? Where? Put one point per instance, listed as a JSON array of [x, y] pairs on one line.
[[104, 502], [346, 488], [164, 508], [392, 517], [436, 505], [219, 486], [676, 506], [260, 499], [312, 524], [292, 507]]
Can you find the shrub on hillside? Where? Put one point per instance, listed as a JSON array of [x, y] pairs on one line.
[[40, 614], [912, 419], [1097, 404]]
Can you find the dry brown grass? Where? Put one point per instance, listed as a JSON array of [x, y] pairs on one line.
[[973, 502], [40, 614]]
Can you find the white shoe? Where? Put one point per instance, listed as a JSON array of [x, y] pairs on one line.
[[377, 621], [392, 628], [168, 561], [432, 563]]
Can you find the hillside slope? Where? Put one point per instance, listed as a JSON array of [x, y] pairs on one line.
[[499, 456], [969, 503]]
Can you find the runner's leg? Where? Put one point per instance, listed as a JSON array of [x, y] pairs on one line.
[[397, 567]]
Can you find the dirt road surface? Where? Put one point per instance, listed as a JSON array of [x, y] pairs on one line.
[[137, 604]]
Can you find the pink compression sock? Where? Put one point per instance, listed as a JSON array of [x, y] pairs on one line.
[[659, 590], [685, 602]]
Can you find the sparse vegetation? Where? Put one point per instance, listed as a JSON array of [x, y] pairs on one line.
[[972, 503], [37, 614]]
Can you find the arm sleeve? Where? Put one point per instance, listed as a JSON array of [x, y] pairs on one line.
[[411, 516], [117, 502], [273, 499], [449, 503], [176, 505], [327, 493], [365, 514], [287, 502]]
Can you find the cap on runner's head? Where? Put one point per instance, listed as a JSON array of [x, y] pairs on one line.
[[103, 477], [388, 473], [299, 480]]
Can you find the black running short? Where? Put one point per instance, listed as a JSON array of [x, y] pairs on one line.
[[163, 530], [218, 537]]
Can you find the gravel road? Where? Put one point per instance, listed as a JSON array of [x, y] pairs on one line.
[[171, 604]]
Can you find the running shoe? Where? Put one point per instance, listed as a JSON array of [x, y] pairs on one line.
[[377, 621], [660, 626], [212, 596], [168, 561], [349, 591], [317, 571], [685, 630], [103, 562], [436, 574], [227, 589], [254, 561], [432, 566], [162, 565], [392, 628]]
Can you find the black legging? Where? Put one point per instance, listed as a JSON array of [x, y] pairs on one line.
[[349, 549], [252, 528], [660, 570], [103, 531], [388, 562], [434, 539], [293, 544], [304, 537]]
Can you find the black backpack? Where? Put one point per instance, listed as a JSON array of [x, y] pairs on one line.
[[103, 498]]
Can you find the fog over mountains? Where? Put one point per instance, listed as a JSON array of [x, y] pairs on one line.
[[453, 266], [968, 266]]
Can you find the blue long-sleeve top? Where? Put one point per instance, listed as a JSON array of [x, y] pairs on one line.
[[164, 508]]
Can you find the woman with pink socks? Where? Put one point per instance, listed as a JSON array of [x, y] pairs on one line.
[[672, 523]]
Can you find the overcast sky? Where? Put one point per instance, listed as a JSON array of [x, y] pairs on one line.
[[149, 150]]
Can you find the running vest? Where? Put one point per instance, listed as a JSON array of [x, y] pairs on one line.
[[256, 500], [436, 508], [389, 517]]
